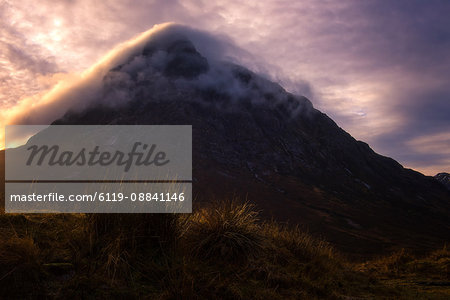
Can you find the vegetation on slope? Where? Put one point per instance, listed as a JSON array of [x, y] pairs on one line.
[[221, 251]]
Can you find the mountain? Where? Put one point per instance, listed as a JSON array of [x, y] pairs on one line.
[[443, 178], [252, 139]]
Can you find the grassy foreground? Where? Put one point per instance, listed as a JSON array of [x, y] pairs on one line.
[[220, 252]]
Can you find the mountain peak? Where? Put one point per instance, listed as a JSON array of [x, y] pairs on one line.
[[179, 58], [168, 49], [169, 61], [443, 178], [161, 63]]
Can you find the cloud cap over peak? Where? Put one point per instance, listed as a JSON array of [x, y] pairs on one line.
[[189, 57], [381, 69]]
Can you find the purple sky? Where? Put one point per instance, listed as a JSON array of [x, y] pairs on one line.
[[380, 69]]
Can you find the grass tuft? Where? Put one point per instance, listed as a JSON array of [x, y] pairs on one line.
[[227, 231]]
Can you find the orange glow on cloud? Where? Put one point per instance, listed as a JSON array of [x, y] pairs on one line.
[[72, 90]]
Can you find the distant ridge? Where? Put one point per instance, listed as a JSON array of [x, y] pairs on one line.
[[443, 178]]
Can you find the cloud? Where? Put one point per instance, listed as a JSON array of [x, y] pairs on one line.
[[117, 77], [379, 68], [75, 91]]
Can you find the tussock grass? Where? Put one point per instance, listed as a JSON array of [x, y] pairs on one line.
[[226, 231], [298, 242], [420, 276], [119, 241], [19, 262], [402, 263]]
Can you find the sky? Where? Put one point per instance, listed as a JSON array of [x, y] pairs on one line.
[[380, 69]]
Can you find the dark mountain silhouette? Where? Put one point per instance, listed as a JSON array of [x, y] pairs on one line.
[[254, 140]]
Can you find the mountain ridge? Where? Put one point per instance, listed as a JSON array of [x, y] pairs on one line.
[[252, 139]]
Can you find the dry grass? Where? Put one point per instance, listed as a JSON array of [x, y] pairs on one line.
[[298, 242], [403, 263], [221, 251], [226, 231], [423, 277]]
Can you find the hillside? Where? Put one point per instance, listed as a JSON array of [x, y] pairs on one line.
[[253, 139]]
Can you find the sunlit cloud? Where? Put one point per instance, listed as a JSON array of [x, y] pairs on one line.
[[434, 150], [438, 143], [75, 91], [380, 69]]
